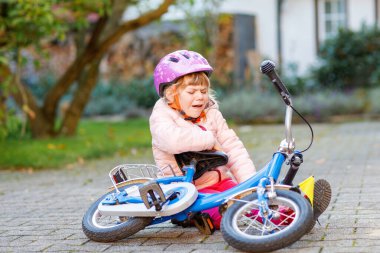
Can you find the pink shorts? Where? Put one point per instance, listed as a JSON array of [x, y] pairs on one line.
[[216, 188]]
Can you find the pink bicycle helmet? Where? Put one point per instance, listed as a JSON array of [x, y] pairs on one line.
[[177, 64]]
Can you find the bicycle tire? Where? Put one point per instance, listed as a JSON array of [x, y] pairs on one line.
[[271, 240], [114, 233]]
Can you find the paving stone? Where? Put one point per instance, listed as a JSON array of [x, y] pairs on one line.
[[215, 238], [367, 242], [303, 250], [128, 242], [26, 233], [209, 247], [350, 249], [183, 240], [210, 251], [23, 249], [81, 236], [43, 211], [322, 243], [72, 248], [19, 242], [6, 240], [142, 248]]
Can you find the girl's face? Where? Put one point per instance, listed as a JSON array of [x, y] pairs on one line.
[[193, 99]]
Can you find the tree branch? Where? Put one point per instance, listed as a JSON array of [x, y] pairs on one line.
[[80, 99], [132, 25], [26, 101], [72, 73], [95, 53], [21, 94]]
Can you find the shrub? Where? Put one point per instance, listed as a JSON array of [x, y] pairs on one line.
[[108, 99], [122, 98], [14, 128], [374, 101], [116, 97], [142, 92], [248, 106], [295, 83], [350, 60], [325, 104]]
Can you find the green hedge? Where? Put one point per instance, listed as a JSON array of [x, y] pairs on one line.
[[253, 106], [107, 98], [350, 60]]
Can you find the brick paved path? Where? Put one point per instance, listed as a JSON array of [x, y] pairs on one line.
[[42, 211]]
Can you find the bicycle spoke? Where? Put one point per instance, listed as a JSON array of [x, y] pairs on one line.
[[251, 223], [284, 214], [264, 225], [107, 220], [274, 225], [288, 218]]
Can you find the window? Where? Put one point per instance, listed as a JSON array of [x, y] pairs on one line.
[[334, 17]]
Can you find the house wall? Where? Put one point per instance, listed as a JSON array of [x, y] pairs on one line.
[[265, 18], [298, 27], [298, 34], [359, 12]]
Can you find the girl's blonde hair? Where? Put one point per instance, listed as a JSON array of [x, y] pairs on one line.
[[197, 78]]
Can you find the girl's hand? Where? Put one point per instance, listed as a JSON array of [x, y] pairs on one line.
[[217, 147]]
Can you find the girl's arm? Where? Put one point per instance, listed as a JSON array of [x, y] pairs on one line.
[[168, 136], [239, 161]]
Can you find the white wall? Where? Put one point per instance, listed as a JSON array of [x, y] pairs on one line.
[[359, 12], [265, 12], [298, 28], [298, 34]]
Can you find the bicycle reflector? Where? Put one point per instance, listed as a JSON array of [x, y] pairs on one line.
[[307, 187]]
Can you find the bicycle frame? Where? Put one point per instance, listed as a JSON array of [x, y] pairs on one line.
[[264, 177]]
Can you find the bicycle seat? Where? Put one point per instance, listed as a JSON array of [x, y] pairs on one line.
[[204, 160]]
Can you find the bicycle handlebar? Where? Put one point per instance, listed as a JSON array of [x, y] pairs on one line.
[[269, 68]]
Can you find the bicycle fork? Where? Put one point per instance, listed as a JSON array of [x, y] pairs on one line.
[[263, 196]]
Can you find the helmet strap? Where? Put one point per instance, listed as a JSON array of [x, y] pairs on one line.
[[176, 106]]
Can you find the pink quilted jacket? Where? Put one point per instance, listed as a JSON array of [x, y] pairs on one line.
[[171, 134]]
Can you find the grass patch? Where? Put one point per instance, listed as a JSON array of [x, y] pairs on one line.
[[93, 140]]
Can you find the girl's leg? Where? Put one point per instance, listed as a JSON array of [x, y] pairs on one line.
[[217, 188]]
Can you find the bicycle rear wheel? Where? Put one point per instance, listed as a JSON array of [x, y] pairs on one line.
[[244, 229]]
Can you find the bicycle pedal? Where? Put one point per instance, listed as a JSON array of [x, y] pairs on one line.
[[185, 223], [204, 223], [153, 190]]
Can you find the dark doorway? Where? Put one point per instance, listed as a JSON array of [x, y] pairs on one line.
[[245, 42]]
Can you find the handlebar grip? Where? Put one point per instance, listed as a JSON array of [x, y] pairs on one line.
[[269, 68]]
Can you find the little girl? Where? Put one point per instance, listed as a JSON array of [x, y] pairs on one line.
[[187, 118]]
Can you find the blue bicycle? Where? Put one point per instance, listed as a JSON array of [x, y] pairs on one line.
[[261, 214]]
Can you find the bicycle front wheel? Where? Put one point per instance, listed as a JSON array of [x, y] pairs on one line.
[[245, 229]]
